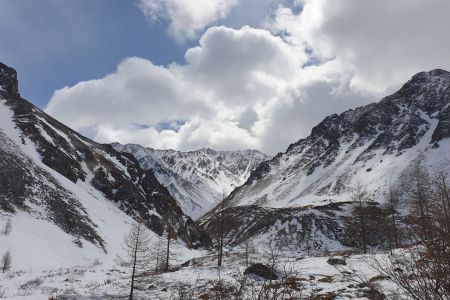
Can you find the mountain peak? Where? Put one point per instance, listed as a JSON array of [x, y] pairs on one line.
[[431, 81], [432, 73], [8, 80], [367, 144], [197, 179]]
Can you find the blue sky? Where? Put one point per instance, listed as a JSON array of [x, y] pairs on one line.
[[224, 74], [57, 43]]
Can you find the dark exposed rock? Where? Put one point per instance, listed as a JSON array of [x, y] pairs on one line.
[[325, 165], [118, 176], [262, 271], [326, 296], [8, 80], [336, 261], [21, 179], [194, 178], [396, 123], [257, 174], [244, 222]]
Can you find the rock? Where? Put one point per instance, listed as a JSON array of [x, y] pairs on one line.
[[262, 271], [363, 137], [336, 261], [374, 294], [326, 296], [118, 176], [186, 264], [326, 279], [8, 80]]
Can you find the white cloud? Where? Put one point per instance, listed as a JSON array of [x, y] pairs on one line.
[[222, 93], [186, 18], [382, 43], [255, 88]]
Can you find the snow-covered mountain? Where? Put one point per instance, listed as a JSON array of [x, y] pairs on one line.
[[372, 145], [69, 198], [197, 179]]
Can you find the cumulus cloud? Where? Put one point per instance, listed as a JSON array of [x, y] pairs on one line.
[[381, 43], [186, 18], [224, 92], [262, 88]]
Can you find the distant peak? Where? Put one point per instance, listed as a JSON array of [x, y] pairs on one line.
[[8, 80], [429, 75], [438, 72]]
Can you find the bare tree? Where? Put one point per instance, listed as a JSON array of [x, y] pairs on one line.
[[158, 254], [221, 223], [168, 252], [422, 270], [356, 226], [367, 225], [167, 260], [7, 227], [307, 237], [272, 255], [392, 206], [419, 190], [6, 262], [138, 255], [248, 250]]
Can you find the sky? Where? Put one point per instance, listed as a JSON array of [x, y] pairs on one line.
[[224, 74]]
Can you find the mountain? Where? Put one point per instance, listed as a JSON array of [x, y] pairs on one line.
[[196, 179], [373, 145], [55, 182]]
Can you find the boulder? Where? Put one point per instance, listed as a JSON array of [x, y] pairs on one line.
[[262, 271], [336, 261]]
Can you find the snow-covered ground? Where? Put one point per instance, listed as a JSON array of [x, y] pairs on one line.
[[98, 280]]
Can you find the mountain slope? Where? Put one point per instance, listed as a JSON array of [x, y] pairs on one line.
[[373, 145], [74, 188], [197, 179]]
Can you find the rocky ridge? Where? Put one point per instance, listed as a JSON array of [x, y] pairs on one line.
[[197, 179], [311, 182], [44, 163]]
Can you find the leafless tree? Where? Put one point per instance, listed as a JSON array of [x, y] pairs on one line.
[[248, 250], [391, 208], [138, 255], [221, 229], [367, 225], [167, 252], [158, 254], [6, 262], [307, 237], [272, 255], [422, 270], [357, 225]]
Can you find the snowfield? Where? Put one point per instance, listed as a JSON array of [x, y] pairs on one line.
[[97, 280]]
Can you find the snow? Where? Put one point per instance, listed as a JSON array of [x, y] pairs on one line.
[[288, 185], [97, 281], [36, 243], [198, 180]]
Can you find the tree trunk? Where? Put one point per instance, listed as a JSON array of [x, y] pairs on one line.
[[134, 264], [168, 252]]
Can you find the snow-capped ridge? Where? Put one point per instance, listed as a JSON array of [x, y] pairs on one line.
[[372, 145], [343, 147], [83, 192], [197, 179]]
